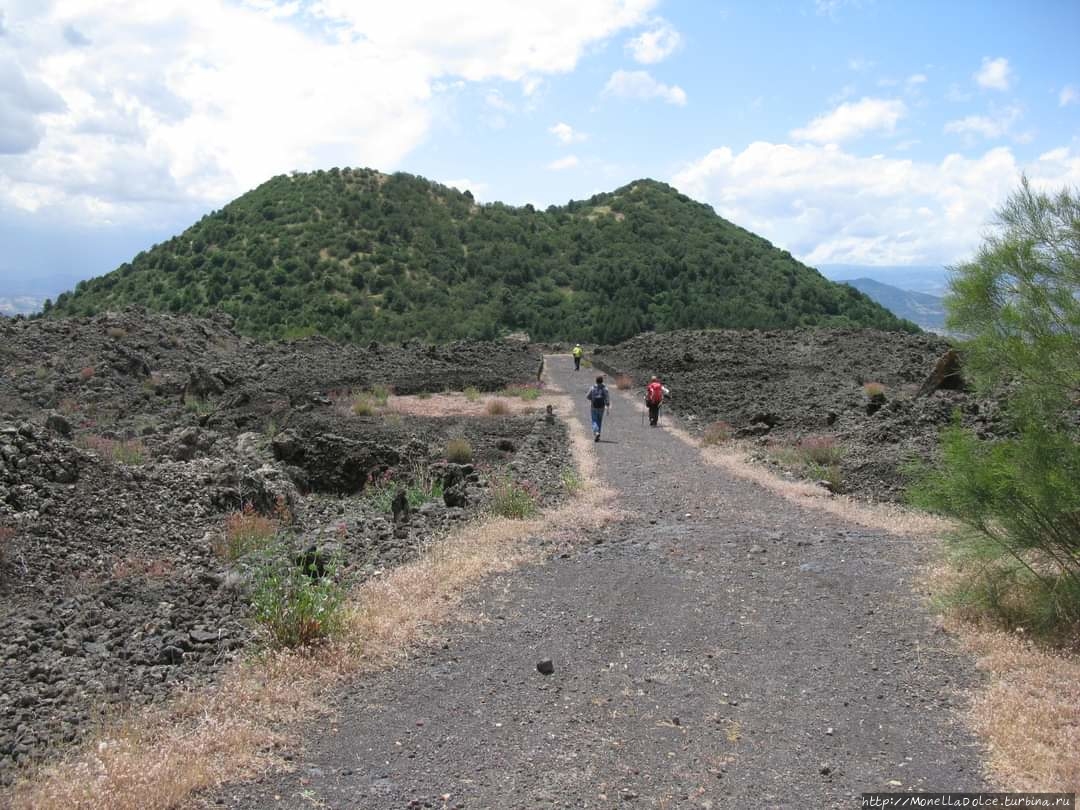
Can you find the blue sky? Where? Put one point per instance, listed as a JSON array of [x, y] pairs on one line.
[[847, 131]]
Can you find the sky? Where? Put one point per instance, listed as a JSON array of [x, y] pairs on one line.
[[857, 132]]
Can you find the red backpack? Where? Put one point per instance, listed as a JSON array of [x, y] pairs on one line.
[[654, 394]]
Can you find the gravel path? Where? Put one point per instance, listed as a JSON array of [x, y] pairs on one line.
[[721, 647]]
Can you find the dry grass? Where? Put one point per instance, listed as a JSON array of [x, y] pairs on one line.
[[624, 382], [1029, 712], [245, 531], [874, 390], [122, 451], [464, 404], [889, 517], [158, 757], [459, 451]]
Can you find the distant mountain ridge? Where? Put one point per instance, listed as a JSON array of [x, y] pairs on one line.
[[928, 311], [359, 255]]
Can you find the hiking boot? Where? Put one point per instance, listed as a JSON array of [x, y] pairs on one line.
[[596, 437]]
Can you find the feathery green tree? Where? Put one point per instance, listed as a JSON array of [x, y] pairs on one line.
[[1018, 496]]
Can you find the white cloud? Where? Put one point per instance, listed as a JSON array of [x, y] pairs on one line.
[[655, 45], [180, 103], [566, 133], [24, 103], [827, 205], [496, 100], [568, 162], [831, 7], [1068, 95], [640, 84], [985, 126], [852, 120], [859, 64], [995, 74], [488, 39]]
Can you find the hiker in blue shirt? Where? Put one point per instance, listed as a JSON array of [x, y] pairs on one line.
[[601, 400]]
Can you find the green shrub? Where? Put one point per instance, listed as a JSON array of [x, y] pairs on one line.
[[1019, 502], [1018, 495], [459, 451], [821, 450], [571, 481], [472, 394], [380, 394], [295, 608], [420, 486], [512, 499], [830, 474], [363, 406]]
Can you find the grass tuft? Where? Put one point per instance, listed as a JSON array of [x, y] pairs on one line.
[[496, 407], [121, 451], [246, 531], [363, 406], [459, 451], [512, 499], [295, 608], [624, 382], [571, 481], [420, 485], [822, 450], [527, 391], [874, 390], [472, 394], [380, 394]]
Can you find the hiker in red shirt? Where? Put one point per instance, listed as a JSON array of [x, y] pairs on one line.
[[655, 392]]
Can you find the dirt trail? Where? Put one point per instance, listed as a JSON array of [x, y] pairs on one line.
[[720, 647]]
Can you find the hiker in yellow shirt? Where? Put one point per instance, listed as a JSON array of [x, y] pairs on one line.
[[577, 352]]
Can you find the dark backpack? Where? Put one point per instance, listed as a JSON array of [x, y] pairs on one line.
[[597, 395]]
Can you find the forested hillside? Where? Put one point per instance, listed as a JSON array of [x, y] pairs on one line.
[[358, 255]]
